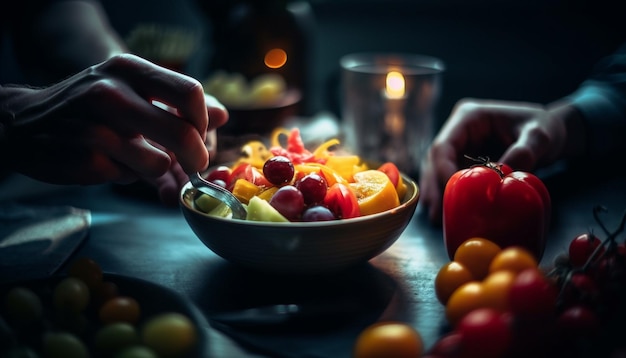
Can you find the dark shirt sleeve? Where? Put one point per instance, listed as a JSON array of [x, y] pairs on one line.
[[602, 101]]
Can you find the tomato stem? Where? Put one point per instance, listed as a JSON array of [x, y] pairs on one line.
[[610, 239], [486, 162]]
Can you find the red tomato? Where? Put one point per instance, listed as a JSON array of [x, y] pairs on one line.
[[250, 173], [532, 295], [222, 173], [485, 330], [582, 247], [510, 208], [342, 201], [392, 172], [578, 322]]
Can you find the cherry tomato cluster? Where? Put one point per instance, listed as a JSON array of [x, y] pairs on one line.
[[592, 282], [84, 315], [485, 288], [500, 303]]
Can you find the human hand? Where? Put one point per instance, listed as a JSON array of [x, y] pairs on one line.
[[522, 135], [100, 125], [169, 184]]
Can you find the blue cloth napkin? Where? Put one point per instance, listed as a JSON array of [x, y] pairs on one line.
[[35, 241]]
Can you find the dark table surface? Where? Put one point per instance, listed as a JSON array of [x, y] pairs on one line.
[[137, 236]]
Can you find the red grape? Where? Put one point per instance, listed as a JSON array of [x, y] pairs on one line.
[[278, 170], [318, 213], [313, 187], [288, 201]]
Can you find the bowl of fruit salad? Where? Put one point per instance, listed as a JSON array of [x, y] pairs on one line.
[[308, 212]]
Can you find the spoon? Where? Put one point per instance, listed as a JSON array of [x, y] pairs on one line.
[[219, 193]]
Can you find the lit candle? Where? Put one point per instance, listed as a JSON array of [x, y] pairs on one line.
[[394, 85], [394, 95]]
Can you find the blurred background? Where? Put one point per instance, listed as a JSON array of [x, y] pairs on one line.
[[534, 50]]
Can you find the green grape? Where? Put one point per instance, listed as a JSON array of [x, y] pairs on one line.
[[23, 305], [114, 337], [136, 352], [71, 294], [63, 345], [169, 334], [7, 338], [21, 352]]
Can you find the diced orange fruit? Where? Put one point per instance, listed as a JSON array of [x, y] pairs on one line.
[[244, 190], [374, 191], [401, 188], [267, 194], [329, 174], [345, 165]]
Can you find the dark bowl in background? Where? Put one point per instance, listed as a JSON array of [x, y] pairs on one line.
[[261, 120]]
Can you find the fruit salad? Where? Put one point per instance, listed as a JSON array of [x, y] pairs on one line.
[[287, 182]]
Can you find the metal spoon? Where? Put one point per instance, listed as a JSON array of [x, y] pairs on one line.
[[219, 193]]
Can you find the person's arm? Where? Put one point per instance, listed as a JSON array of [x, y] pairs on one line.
[[602, 102], [590, 123], [56, 39]]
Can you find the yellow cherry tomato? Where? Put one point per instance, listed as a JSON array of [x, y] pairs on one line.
[[496, 289], [450, 277], [476, 254], [514, 259], [463, 300], [389, 340]]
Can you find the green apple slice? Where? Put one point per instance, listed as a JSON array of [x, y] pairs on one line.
[[212, 206], [261, 210]]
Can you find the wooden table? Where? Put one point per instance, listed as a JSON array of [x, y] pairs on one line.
[[137, 236]]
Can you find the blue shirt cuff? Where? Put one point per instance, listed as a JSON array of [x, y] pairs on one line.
[[604, 114]]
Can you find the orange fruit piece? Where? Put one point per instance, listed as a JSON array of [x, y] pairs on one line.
[[374, 191]]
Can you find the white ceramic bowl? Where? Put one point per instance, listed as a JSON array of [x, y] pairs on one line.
[[303, 247]]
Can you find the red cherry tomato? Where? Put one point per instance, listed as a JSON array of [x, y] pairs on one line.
[[342, 201], [581, 248], [492, 201], [250, 173], [578, 322], [485, 330], [532, 295], [392, 172], [222, 173]]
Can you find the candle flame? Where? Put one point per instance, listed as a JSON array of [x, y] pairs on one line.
[[395, 85]]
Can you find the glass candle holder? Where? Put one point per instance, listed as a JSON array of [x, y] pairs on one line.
[[388, 105]]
